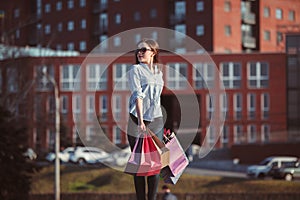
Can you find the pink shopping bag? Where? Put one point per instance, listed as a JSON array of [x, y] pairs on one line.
[[178, 161]]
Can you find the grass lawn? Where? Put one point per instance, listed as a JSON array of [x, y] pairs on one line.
[[106, 180]]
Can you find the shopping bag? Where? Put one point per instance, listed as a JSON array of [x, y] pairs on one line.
[[135, 157], [150, 158], [164, 151], [169, 177], [178, 161]]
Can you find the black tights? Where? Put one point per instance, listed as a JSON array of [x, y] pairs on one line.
[[140, 181], [140, 187]]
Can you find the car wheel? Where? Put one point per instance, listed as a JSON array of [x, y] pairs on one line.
[[261, 176], [288, 177], [81, 161]]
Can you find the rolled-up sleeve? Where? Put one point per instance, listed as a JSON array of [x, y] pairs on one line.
[[135, 83]]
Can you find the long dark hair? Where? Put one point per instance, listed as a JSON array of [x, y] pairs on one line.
[[154, 47]]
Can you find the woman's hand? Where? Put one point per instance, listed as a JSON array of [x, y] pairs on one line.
[[142, 127]]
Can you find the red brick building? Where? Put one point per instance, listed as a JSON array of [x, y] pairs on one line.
[[254, 102], [218, 25]]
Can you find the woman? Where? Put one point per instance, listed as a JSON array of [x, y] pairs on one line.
[[146, 84]]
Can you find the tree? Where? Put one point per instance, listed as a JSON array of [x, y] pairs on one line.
[[15, 170]]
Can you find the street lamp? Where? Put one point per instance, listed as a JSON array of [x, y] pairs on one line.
[[57, 134]]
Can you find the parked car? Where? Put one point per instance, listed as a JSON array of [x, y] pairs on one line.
[[64, 155], [88, 155], [118, 158], [288, 172], [30, 154], [268, 166]]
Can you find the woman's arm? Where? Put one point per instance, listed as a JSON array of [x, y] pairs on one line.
[[139, 110]]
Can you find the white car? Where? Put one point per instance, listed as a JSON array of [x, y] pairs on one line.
[[118, 158], [64, 155], [269, 165], [88, 155]]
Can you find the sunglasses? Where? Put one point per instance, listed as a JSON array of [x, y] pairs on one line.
[[143, 50]]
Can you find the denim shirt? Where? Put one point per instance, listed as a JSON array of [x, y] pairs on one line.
[[148, 86]]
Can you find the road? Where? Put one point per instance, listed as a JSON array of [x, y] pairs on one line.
[[207, 172]]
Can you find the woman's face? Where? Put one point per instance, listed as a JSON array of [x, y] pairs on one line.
[[144, 53]]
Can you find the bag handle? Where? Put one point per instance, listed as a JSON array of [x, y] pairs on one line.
[[159, 143]]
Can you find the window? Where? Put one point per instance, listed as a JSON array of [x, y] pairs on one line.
[[200, 30], [137, 38], [47, 8], [238, 135], [103, 108], [251, 105], [199, 6], [203, 75], [267, 35], [153, 13], [82, 3], [71, 26], [59, 27], [225, 136], [237, 106], [83, 24], [12, 80], [76, 108], [154, 35], [211, 135], [71, 46], [227, 6], [58, 47], [231, 74], [180, 9], [42, 83], [137, 16], [120, 76], [258, 75], [118, 18], [90, 107], [251, 129], [279, 37], [292, 15], [265, 105], [82, 46], [278, 13], [47, 29], [16, 13], [210, 105], [117, 135], [117, 41], [90, 134], [103, 41], [266, 12], [64, 104], [70, 4], [227, 29], [117, 107], [265, 133], [17, 34], [96, 77], [59, 6], [176, 75], [69, 79], [224, 105]]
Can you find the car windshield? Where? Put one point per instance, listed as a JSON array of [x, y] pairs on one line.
[[265, 161]]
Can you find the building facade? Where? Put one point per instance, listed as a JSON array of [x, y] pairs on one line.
[[94, 97], [221, 26]]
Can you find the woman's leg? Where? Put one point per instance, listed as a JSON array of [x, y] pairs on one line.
[[152, 186], [157, 127], [139, 181]]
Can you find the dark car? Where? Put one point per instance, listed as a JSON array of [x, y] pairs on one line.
[[288, 173]]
